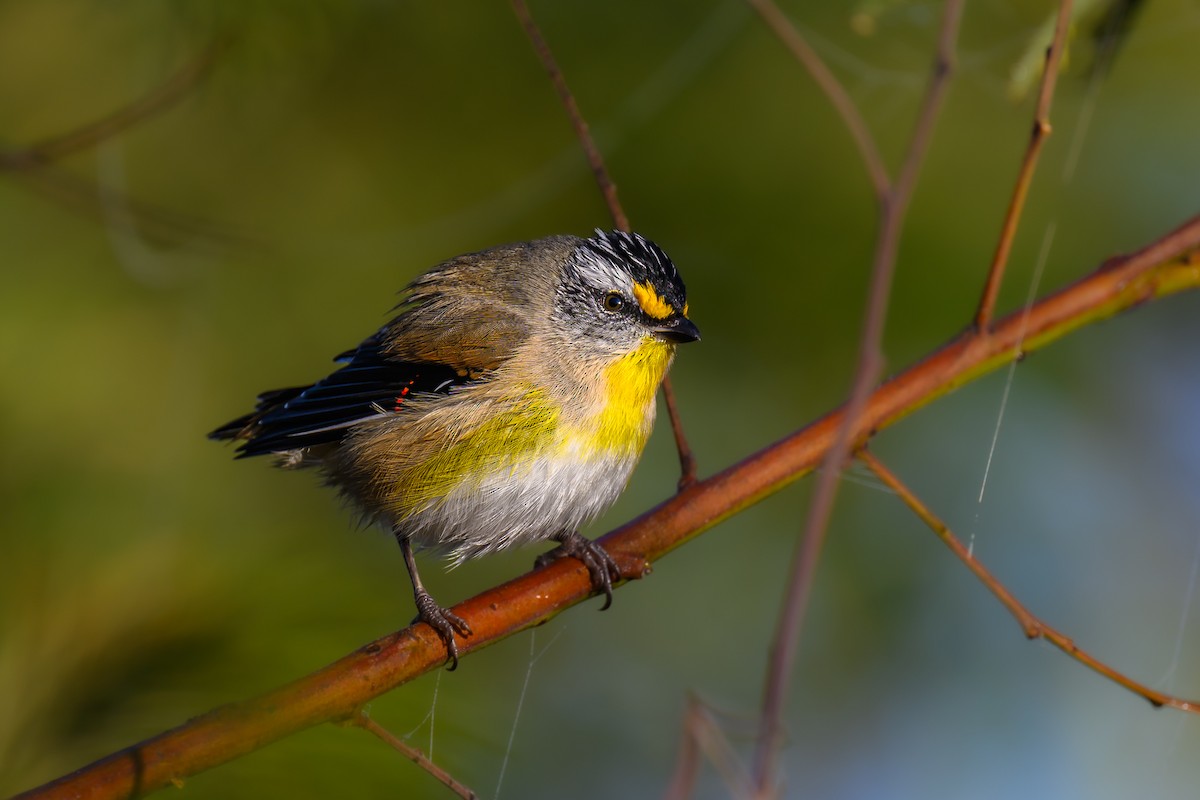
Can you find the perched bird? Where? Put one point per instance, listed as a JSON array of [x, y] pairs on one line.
[[508, 402]]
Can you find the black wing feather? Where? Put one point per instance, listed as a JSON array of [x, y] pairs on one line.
[[369, 385]]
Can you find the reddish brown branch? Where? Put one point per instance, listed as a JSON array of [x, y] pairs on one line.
[[1041, 130], [893, 206], [687, 461], [336, 692], [1033, 627]]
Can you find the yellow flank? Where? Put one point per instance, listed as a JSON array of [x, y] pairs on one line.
[[532, 428], [651, 301], [507, 440], [622, 427]]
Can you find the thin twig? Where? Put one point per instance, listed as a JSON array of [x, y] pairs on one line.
[[413, 754], [787, 33], [157, 100], [161, 225], [1041, 130], [703, 736], [687, 763], [1169, 265], [582, 132], [687, 461], [1033, 627], [893, 207], [31, 165], [931, 104]]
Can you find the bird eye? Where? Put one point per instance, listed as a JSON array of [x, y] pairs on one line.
[[613, 301]]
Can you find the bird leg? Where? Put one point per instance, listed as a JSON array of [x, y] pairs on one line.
[[444, 623], [600, 564]]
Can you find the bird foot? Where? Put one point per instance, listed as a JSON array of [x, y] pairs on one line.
[[444, 623], [600, 564]]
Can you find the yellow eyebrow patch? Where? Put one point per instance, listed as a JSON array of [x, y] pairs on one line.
[[651, 301]]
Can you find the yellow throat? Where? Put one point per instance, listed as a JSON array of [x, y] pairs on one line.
[[630, 384]]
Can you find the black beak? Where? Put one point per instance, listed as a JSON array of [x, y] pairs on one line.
[[678, 330]]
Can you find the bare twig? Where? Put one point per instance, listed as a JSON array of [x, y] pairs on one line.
[[687, 461], [1041, 129], [1167, 266], [32, 165], [702, 735], [413, 754], [156, 101], [687, 764], [787, 33], [153, 223], [869, 368], [1033, 627], [595, 160]]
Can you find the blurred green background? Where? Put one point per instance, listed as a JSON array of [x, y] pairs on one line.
[[337, 149]]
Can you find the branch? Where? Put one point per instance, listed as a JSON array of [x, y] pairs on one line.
[[687, 461], [335, 693], [892, 209], [607, 188], [155, 102], [787, 33], [31, 165], [702, 736], [1041, 129], [1033, 627], [413, 754]]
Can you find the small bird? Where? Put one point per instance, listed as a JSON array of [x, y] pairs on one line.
[[508, 402]]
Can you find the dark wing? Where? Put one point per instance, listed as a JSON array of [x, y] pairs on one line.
[[370, 385]]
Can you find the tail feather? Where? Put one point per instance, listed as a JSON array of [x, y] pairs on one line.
[[242, 427], [369, 385]]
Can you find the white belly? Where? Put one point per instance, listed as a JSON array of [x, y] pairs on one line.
[[553, 495]]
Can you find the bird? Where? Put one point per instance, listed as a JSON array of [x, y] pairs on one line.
[[507, 402]]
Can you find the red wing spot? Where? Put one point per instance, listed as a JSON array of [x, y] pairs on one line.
[[404, 393]]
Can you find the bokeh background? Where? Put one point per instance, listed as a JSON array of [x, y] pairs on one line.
[[262, 224]]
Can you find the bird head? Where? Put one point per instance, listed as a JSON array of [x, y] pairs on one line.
[[619, 290]]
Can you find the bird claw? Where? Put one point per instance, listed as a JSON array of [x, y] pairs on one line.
[[444, 623], [601, 566]]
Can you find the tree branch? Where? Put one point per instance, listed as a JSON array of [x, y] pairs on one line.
[[596, 161], [893, 206], [1041, 130], [31, 165], [1167, 266], [687, 460], [1033, 627], [413, 754], [828, 83], [156, 101]]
